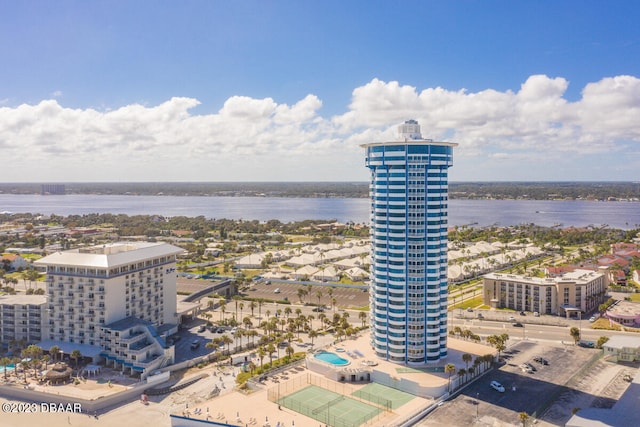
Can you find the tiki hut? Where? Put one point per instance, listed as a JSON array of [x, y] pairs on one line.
[[60, 372]]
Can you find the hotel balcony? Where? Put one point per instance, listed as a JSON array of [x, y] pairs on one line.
[[148, 362], [140, 346]]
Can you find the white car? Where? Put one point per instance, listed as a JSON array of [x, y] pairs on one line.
[[497, 386], [526, 368]]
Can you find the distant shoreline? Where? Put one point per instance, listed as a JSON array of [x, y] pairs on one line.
[[597, 191]]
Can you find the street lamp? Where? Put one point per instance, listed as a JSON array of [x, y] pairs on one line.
[[580, 322]]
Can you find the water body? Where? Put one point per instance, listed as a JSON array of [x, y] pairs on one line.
[[624, 215]]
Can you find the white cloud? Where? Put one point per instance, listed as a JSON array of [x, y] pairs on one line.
[[260, 139]]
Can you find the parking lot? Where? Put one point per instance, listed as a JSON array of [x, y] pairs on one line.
[[191, 333], [345, 297], [480, 404]]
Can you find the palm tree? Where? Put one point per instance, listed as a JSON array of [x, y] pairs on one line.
[[248, 324], [253, 334], [287, 311], [363, 316], [75, 355], [575, 334], [319, 295], [310, 319], [35, 353], [223, 306], [54, 351], [238, 336], [462, 373], [523, 418], [236, 299], [466, 358], [301, 294], [15, 361], [25, 366], [499, 342], [261, 354], [313, 334], [252, 367], [450, 368], [277, 345], [241, 305], [322, 317], [260, 302], [290, 351], [270, 350], [227, 340], [252, 306], [214, 343], [4, 362]]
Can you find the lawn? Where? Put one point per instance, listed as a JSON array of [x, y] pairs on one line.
[[468, 303], [634, 297]]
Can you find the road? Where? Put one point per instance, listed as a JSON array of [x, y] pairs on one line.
[[545, 328]]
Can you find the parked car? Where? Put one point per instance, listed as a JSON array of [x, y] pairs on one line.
[[540, 360], [526, 369], [277, 291], [530, 366], [522, 313], [470, 310], [536, 314], [480, 316], [195, 344], [592, 319], [512, 319], [497, 386]]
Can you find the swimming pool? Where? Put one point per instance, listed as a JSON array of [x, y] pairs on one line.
[[332, 358], [10, 367]]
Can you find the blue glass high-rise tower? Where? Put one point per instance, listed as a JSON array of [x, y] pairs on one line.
[[409, 203]]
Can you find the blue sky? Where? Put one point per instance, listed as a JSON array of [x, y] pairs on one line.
[[287, 90]]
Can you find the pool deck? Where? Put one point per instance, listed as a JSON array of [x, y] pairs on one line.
[[456, 348], [231, 406]]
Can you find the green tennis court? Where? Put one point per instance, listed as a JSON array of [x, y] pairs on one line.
[[396, 397], [328, 407]]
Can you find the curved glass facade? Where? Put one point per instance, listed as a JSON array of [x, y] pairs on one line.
[[409, 202]]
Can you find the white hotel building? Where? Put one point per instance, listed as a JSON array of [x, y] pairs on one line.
[[409, 205], [115, 300]]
